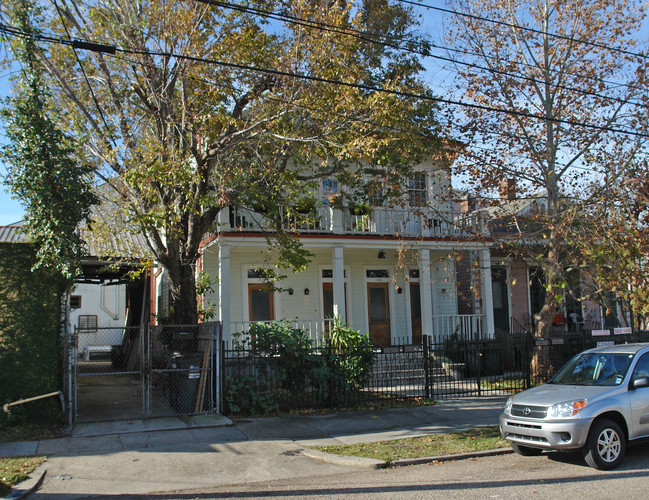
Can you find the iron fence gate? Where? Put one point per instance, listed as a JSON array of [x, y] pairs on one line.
[[139, 372]]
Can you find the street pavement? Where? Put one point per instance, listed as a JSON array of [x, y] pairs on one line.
[[174, 454]]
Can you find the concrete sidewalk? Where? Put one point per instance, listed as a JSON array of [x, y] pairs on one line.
[[175, 454]]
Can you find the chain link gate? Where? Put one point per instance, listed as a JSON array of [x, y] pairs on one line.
[[133, 372]]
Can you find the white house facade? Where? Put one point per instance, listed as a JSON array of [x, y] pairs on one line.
[[389, 272]]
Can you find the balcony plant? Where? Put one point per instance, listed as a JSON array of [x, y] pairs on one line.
[[305, 206], [335, 200], [359, 209]]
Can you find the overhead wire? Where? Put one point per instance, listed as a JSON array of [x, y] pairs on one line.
[[109, 49], [85, 76], [366, 36], [525, 28], [316, 109]]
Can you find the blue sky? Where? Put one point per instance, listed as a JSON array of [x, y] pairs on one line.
[[10, 209]]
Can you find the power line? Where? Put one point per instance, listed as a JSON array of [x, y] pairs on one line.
[[102, 48], [365, 36], [83, 71], [525, 28], [365, 121]]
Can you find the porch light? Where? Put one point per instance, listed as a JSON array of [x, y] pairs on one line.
[[381, 254], [290, 291], [399, 289], [306, 291]]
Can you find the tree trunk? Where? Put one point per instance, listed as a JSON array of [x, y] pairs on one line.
[[183, 306]]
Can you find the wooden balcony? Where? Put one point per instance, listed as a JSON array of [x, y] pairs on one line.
[[379, 221]]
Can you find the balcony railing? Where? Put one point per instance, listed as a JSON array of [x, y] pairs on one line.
[[458, 326], [314, 328], [379, 221]]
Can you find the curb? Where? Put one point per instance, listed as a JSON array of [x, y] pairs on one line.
[[372, 463], [27, 486], [448, 458], [331, 458]]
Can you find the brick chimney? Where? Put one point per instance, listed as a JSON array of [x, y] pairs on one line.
[[507, 189]]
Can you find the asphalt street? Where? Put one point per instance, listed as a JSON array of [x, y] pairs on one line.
[[550, 476], [268, 458]]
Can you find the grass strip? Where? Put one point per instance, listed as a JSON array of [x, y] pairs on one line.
[[477, 439], [16, 469]]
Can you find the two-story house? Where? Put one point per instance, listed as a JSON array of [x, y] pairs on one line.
[[388, 271]]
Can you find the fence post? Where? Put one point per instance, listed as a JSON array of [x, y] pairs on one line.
[[479, 363], [425, 349], [527, 359]]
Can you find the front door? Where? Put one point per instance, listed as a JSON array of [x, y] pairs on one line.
[[379, 313], [415, 313], [260, 302], [500, 299]]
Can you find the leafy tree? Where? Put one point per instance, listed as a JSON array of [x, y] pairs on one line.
[[564, 74], [43, 171], [185, 108]]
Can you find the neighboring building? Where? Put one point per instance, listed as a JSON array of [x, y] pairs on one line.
[[98, 304], [517, 283]]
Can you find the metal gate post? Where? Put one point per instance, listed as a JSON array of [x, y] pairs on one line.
[[425, 348], [74, 348], [68, 346], [145, 349]]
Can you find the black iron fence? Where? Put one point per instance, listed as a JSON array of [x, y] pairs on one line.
[[328, 377]]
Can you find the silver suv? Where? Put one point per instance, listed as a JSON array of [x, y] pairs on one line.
[[597, 403]]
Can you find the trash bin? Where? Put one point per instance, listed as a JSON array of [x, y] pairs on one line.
[[183, 381]]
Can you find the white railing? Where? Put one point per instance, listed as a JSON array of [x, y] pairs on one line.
[[412, 222], [314, 328], [246, 219], [380, 221], [465, 326]]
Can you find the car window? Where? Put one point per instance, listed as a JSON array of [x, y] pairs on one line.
[[642, 367], [594, 369]]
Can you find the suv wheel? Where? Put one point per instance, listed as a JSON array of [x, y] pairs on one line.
[[605, 446], [526, 451]]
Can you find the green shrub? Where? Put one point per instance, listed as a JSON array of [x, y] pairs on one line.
[[30, 348], [275, 364], [352, 356]]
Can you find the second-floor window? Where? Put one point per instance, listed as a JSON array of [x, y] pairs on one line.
[[329, 189], [417, 192]]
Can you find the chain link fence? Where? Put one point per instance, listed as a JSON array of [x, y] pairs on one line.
[[123, 373]]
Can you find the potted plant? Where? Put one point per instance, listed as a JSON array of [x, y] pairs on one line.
[[305, 206], [359, 209]]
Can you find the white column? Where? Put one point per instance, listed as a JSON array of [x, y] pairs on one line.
[[339, 284], [224, 219], [487, 293], [337, 221], [224, 289], [426, 293]]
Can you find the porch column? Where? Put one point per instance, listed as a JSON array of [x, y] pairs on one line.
[[425, 293], [337, 221], [224, 289], [224, 219], [487, 293], [339, 284]]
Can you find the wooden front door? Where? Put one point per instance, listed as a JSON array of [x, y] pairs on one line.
[[415, 313], [379, 313], [500, 299], [260, 302]]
